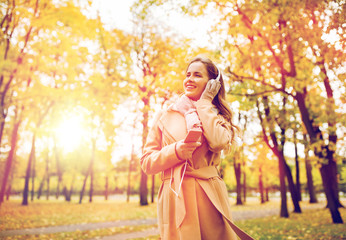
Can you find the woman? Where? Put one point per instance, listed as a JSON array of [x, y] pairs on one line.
[[192, 201]]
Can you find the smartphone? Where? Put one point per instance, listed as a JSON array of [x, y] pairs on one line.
[[193, 135]]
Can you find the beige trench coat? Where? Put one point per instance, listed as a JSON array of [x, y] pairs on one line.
[[201, 211]]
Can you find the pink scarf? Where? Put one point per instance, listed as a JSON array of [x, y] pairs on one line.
[[186, 107]]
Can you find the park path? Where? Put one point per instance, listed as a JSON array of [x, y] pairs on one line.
[[237, 215]]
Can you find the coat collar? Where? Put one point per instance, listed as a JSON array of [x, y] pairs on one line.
[[173, 126]]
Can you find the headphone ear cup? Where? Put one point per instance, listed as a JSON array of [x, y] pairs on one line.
[[218, 76]]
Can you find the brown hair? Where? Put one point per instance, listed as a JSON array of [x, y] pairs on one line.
[[220, 99]]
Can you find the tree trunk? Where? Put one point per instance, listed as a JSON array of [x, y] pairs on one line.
[[310, 181], [58, 170], [39, 191], [106, 188], [260, 185], [291, 186], [277, 153], [33, 178], [9, 185], [2, 126], [299, 194], [68, 193], [10, 159], [88, 172], [91, 190], [244, 182], [244, 116], [8, 192], [329, 188], [332, 137], [143, 189], [32, 159], [221, 171], [152, 188], [48, 174], [83, 187], [308, 169], [72, 187], [328, 170], [283, 194], [128, 193], [237, 171], [131, 165], [281, 156], [28, 172]]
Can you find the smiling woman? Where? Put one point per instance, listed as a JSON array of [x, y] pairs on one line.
[[193, 199], [70, 133]]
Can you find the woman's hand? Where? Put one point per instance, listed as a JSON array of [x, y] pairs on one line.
[[211, 90], [184, 150]]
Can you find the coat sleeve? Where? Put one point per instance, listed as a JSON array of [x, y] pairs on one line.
[[156, 158], [216, 129]]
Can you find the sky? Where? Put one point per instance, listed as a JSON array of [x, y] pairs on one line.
[[116, 14]]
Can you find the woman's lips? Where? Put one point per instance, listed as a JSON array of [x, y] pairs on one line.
[[190, 87]]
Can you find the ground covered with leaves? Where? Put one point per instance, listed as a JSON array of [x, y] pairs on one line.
[[311, 224], [53, 213]]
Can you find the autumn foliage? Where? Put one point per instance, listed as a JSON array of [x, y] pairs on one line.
[[73, 89]]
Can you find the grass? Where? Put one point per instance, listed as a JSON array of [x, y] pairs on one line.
[[81, 235], [311, 224]]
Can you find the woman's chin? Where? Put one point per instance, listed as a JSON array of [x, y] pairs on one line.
[[192, 96]]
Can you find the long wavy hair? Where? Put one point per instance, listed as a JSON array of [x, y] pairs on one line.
[[220, 99]]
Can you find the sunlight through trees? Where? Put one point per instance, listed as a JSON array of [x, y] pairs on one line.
[[65, 74]]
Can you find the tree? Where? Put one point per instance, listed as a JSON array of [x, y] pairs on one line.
[[9, 161], [238, 163], [159, 75], [266, 165], [47, 52], [45, 178], [279, 153], [31, 43], [279, 149], [12, 59], [32, 152], [271, 41]]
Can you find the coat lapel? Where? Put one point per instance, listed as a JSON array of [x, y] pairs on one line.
[[173, 126]]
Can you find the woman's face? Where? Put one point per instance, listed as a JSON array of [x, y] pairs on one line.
[[196, 80]]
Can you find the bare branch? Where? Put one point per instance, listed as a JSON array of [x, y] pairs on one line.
[[251, 94], [242, 78], [265, 137]]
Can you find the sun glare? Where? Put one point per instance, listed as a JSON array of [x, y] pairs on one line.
[[70, 133]]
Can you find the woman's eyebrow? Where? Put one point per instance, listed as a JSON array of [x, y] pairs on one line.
[[194, 72]]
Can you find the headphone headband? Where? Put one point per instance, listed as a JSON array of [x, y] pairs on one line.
[[218, 75]]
